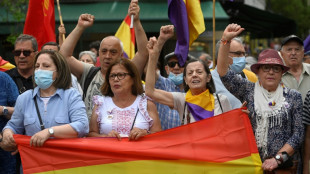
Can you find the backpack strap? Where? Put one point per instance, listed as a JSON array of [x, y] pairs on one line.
[[89, 77]]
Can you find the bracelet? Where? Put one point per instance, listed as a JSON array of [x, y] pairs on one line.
[[224, 41]]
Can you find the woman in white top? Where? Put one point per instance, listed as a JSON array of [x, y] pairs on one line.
[[123, 110], [199, 87]]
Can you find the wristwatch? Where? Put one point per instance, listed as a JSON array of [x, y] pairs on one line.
[[51, 131], [278, 157], [5, 111]]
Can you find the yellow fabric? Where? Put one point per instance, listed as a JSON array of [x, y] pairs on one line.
[[171, 166], [7, 66], [250, 75]]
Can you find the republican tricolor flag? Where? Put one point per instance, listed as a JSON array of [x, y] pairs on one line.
[[220, 144], [127, 36], [188, 20], [40, 21]]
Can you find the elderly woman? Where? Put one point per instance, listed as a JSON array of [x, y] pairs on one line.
[[52, 109], [198, 102], [123, 110], [275, 111], [88, 57]]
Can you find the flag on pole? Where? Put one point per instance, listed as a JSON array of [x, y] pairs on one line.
[[40, 21], [127, 36], [220, 144], [187, 18]]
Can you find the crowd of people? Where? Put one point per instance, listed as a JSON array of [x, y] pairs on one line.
[[51, 94]]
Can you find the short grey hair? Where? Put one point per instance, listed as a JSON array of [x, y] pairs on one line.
[[217, 47], [120, 42], [26, 37], [90, 53]]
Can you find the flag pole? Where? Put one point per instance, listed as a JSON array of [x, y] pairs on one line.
[[60, 19], [213, 23]]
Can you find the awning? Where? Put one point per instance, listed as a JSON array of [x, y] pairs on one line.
[[109, 15], [260, 23]]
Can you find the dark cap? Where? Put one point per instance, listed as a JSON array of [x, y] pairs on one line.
[[168, 56], [290, 38]]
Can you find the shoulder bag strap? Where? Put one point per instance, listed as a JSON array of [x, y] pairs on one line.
[[218, 99], [21, 87], [38, 112]]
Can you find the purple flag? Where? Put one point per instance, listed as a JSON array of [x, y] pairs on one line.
[[307, 44], [177, 14]]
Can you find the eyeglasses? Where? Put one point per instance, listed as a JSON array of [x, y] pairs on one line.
[[275, 68], [172, 64], [25, 52], [120, 76], [238, 53]]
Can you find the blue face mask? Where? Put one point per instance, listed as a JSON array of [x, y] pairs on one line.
[[177, 79], [43, 78], [238, 64]]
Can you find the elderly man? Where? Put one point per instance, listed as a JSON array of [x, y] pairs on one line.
[[25, 49], [110, 51], [237, 64], [298, 77]]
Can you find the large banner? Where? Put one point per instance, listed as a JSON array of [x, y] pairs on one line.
[[220, 144]]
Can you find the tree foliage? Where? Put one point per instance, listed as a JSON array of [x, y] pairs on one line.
[[16, 9], [297, 10]]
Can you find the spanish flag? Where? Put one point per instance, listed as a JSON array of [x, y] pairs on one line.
[[221, 144], [127, 36], [5, 65], [188, 20], [40, 21]]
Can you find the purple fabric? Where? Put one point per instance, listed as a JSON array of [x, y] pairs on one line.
[[198, 112], [307, 44], [177, 14]]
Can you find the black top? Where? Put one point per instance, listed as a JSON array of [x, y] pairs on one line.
[[25, 83]]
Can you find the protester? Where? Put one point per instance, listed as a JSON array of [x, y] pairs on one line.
[[169, 118], [54, 46], [60, 111], [123, 110], [8, 96], [306, 121], [88, 57], [297, 77], [237, 64], [94, 47], [25, 49], [274, 110], [110, 52], [198, 85], [208, 59]]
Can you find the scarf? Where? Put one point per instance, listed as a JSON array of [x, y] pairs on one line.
[[269, 107], [200, 106]]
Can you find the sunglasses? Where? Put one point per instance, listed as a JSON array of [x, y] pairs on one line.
[[172, 64], [26, 53]]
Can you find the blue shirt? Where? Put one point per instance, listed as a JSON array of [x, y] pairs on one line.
[[64, 107], [169, 118], [8, 94], [221, 89]]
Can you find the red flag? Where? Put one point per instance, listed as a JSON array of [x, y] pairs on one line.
[[220, 144], [40, 21]]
